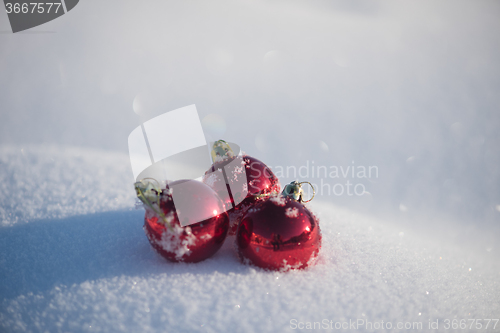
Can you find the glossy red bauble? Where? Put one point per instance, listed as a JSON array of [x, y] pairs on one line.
[[279, 233], [237, 181], [193, 242]]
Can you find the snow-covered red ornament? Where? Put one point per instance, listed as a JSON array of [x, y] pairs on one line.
[[186, 242], [239, 181], [279, 232]]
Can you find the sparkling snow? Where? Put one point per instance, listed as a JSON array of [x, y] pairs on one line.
[[85, 265], [396, 101]]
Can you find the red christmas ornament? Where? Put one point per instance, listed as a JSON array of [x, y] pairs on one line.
[[279, 232], [193, 242], [239, 181]]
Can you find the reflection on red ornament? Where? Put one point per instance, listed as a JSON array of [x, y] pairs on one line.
[[238, 181], [279, 233], [194, 242]]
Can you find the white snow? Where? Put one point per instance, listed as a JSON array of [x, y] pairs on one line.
[[210, 179], [86, 265], [56, 181], [278, 200], [314, 89], [171, 240], [292, 212]]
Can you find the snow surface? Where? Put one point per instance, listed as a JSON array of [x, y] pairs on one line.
[[74, 258], [408, 87], [56, 181]]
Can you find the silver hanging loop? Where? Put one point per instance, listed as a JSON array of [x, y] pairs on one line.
[[295, 191]]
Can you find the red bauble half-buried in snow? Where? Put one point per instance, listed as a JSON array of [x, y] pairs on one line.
[[239, 181], [195, 202], [279, 233]]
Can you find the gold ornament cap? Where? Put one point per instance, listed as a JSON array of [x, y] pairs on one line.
[[221, 151], [295, 191]]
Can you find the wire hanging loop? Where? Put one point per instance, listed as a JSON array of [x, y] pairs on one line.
[[295, 191], [314, 191], [149, 193], [221, 150]]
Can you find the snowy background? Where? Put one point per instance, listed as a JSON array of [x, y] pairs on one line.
[[410, 88]]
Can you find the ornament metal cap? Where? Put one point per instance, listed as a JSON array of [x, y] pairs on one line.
[[294, 191], [221, 151], [148, 191]]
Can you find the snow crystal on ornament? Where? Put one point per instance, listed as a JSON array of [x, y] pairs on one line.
[[237, 171], [278, 200], [287, 267], [206, 237], [313, 260], [210, 180], [171, 241], [169, 218], [167, 194], [292, 212]]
